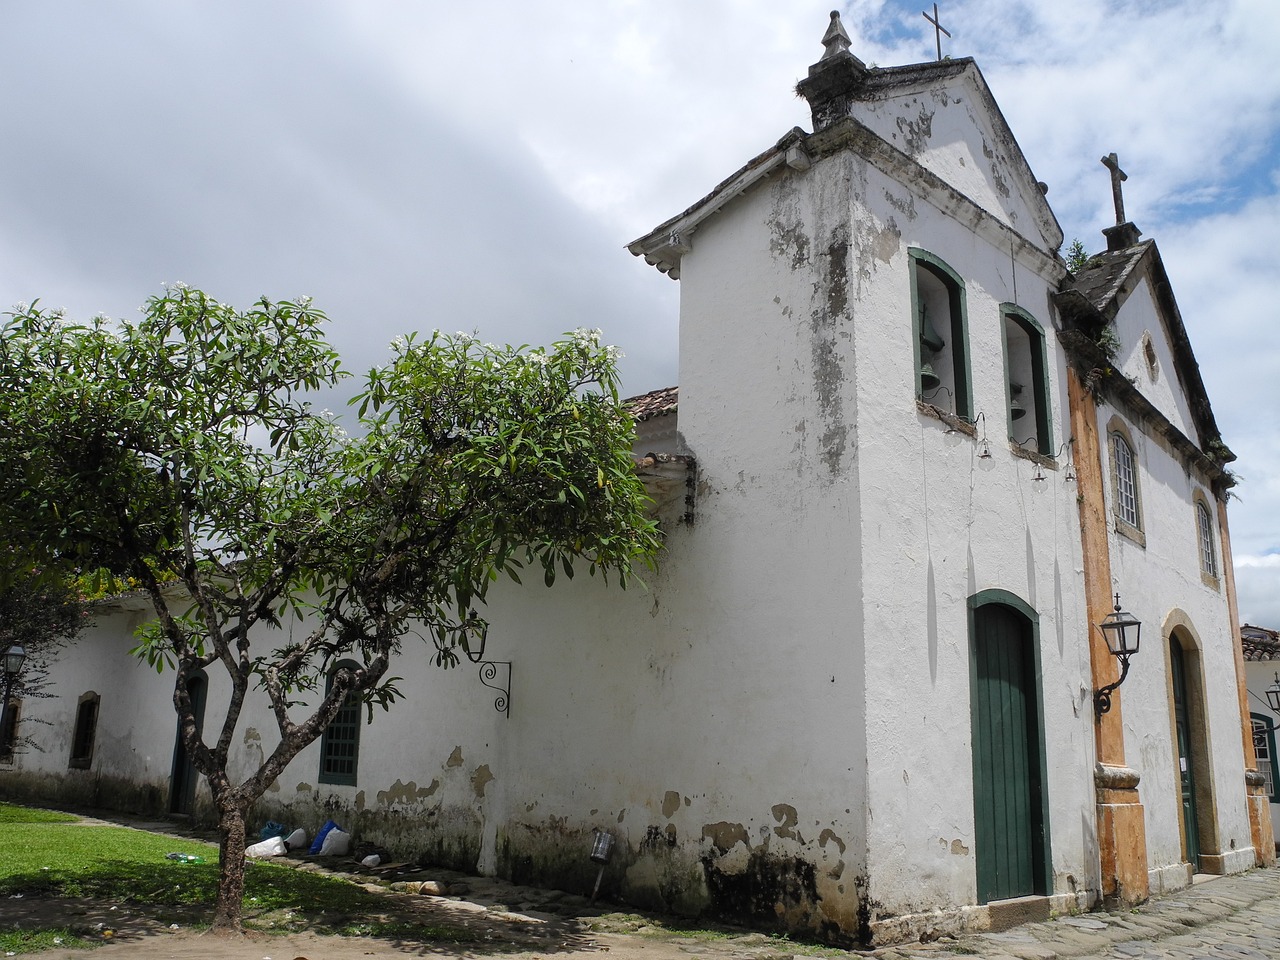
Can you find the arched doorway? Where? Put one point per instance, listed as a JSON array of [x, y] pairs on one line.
[[1011, 820], [182, 781], [1191, 750]]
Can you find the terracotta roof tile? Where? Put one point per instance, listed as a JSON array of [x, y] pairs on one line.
[[653, 404], [1259, 643]]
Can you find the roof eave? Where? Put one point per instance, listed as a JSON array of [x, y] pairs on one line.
[[663, 246]]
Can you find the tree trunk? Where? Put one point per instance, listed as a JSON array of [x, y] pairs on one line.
[[230, 906]]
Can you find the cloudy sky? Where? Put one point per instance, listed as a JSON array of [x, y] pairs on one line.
[[414, 165]]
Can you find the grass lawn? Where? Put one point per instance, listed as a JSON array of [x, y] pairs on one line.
[[49, 854]]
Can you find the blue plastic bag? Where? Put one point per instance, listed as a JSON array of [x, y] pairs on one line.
[[318, 842], [273, 829]]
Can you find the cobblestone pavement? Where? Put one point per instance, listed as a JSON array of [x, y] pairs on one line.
[[1226, 917], [1223, 918]]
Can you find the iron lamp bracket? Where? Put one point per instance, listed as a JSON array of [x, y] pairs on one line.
[[1102, 697]]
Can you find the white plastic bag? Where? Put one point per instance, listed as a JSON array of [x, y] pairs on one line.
[[273, 847], [336, 844], [296, 839]]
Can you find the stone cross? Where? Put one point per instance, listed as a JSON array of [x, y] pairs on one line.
[[938, 28], [1118, 176]]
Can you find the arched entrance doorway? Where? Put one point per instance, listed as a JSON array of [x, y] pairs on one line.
[[1191, 750]]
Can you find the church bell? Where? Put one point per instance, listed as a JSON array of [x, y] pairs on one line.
[[1016, 410], [930, 344], [929, 380]]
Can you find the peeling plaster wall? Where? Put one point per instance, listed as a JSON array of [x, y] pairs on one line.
[[1160, 584], [947, 128], [767, 590]]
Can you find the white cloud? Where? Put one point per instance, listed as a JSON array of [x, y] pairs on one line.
[[1224, 273], [1267, 561], [481, 165], [1258, 593]]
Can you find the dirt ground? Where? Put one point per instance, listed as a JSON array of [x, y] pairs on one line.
[[131, 933]]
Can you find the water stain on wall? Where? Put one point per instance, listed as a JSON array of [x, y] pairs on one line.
[[481, 779], [670, 803]]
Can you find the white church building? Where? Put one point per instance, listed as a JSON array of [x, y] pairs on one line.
[[911, 462]]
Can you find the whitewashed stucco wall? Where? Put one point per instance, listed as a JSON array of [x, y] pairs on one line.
[[136, 727], [948, 128], [1137, 323], [768, 409], [941, 525], [1160, 582]]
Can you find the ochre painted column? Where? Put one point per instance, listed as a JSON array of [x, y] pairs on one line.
[[1264, 841], [1122, 832]]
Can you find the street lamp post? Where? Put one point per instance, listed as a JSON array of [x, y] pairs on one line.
[[13, 659]]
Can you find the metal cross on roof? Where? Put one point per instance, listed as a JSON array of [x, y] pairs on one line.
[[1118, 176], [938, 28]]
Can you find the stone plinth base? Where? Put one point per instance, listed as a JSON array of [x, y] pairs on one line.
[[1122, 837], [1260, 827]]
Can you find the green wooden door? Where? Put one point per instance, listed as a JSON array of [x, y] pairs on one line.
[[1008, 802], [1186, 763], [182, 781]]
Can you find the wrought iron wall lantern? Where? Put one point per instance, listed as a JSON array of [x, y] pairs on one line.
[[1121, 630], [984, 448], [1069, 448], [1069, 471], [1273, 695], [12, 666], [13, 660], [475, 635]]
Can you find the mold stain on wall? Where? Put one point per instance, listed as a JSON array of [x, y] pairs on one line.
[[916, 132], [826, 334]]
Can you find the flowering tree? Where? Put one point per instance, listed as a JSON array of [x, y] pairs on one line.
[[180, 448]]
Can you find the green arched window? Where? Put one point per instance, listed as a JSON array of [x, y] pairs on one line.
[[940, 331]]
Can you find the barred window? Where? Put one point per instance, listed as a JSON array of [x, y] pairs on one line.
[[1208, 559], [1264, 747], [340, 744], [1126, 481]]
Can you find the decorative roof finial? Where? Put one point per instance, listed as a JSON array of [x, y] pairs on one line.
[[834, 81], [835, 39]]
